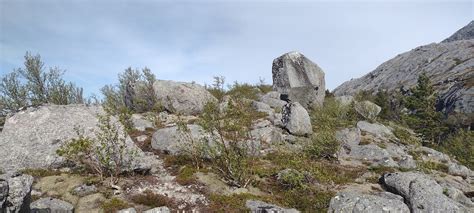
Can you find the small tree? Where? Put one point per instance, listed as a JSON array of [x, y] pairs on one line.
[[422, 116], [33, 85], [231, 151]]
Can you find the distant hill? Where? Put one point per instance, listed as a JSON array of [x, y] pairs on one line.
[[449, 64]]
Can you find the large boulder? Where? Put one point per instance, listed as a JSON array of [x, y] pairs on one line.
[[182, 98], [300, 79], [421, 192], [354, 202], [51, 205], [31, 137], [296, 119]]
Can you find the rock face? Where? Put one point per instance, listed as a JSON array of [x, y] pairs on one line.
[[262, 207], [51, 205], [421, 193], [182, 98], [296, 119], [357, 202], [449, 65], [298, 78], [465, 33], [31, 137]]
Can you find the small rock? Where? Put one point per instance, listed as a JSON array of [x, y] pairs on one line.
[[140, 123], [142, 138], [296, 119], [84, 190], [19, 195], [162, 209], [129, 210], [51, 205], [262, 207], [262, 107]]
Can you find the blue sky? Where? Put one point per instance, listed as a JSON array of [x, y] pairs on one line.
[[195, 40]]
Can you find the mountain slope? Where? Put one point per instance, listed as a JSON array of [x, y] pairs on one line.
[[450, 66]]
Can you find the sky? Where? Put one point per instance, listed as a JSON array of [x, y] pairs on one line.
[[195, 40]]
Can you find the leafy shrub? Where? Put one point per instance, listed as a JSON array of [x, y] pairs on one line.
[[33, 85], [113, 205], [291, 179], [461, 146], [151, 199], [105, 155], [134, 93], [230, 153]]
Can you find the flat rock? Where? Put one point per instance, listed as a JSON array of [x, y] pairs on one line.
[[375, 129], [51, 205], [162, 209], [353, 202], [260, 206]]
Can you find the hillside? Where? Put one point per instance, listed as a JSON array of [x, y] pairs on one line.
[[449, 65]]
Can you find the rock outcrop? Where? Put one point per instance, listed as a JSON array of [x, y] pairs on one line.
[[31, 137], [422, 193], [182, 98], [173, 140], [296, 119], [299, 79], [449, 65]]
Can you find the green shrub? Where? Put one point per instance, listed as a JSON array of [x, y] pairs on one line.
[[428, 166], [230, 150], [324, 145], [405, 136], [291, 179], [106, 154], [113, 205], [461, 146]]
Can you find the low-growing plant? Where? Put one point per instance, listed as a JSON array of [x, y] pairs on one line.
[[324, 145], [461, 146], [186, 176], [405, 136], [291, 179], [151, 199], [429, 166], [243, 90], [113, 205]]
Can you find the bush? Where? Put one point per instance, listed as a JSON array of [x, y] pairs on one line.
[[291, 179], [134, 93], [150, 199], [231, 146], [33, 85], [461, 146], [326, 121], [113, 205], [105, 155], [241, 91]]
